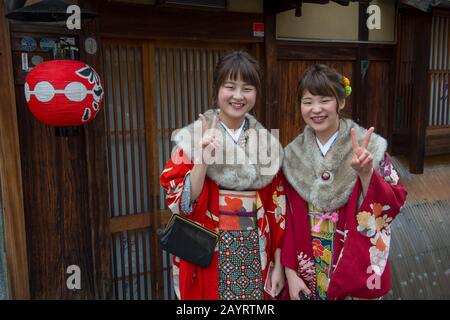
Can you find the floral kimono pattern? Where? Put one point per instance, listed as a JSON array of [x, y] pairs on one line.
[[355, 246], [268, 221]]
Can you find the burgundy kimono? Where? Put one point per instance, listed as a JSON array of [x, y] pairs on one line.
[[359, 266]]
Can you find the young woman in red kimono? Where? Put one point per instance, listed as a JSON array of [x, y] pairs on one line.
[[342, 195], [225, 174]]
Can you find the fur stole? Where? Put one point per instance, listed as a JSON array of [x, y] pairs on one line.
[[250, 164], [304, 164]]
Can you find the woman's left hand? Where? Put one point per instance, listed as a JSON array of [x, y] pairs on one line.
[[278, 280], [362, 161]]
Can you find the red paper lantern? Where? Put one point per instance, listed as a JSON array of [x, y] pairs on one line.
[[63, 92]]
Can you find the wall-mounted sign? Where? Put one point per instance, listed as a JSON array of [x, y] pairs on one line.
[[24, 61], [37, 59], [47, 44], [90, 45], [258, 29], [28, 44]]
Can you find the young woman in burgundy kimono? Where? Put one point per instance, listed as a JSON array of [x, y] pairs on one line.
[[225, 174], [342, 195]]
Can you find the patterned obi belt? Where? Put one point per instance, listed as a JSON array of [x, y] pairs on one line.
[[237, 210]]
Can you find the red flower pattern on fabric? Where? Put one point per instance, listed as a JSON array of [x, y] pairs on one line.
[[317, 248], [377, 209], [232, 205]]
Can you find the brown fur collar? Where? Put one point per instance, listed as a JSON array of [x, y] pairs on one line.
[[303, 165]]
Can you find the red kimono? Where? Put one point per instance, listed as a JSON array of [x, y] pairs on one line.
[[192, 281], [361, 241]]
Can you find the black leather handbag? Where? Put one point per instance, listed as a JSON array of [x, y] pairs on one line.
[[189, 241]]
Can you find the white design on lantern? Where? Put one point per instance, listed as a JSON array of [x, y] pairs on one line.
[[27, 92], [44, 91], [75, 91], [98, 92], [88, 73]]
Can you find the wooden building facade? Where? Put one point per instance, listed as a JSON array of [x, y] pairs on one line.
[[93, 200]]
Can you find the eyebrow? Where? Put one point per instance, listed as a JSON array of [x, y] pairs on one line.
[[235, 82], [321, 97]]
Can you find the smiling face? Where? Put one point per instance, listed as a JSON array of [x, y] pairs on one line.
[[235, 98], [321, 95], [321, 114], [237, 83]]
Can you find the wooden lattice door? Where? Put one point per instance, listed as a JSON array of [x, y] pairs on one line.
[[152, 88]]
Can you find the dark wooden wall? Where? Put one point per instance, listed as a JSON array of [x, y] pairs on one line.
[[371, 102], [65, 187], [138, 21], [158, 30], [158, 22], [412, 86], [64, 178], [374, 110], [65, 205], [438, 126]]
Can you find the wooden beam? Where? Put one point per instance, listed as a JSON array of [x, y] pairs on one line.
[[260, 111], [96, 160], [437, 12], [303, 50], [284, 5], [10, 172], [360, 112], [139, 221], [150, 113], [437, 141], [271, 66], [363, 31], [151, 22], [419, 115]]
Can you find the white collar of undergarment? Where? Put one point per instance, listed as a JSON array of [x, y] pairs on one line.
[[325, 147], [234, 135]]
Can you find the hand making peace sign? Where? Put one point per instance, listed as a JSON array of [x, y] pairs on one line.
[[362, 161], [209, 142]]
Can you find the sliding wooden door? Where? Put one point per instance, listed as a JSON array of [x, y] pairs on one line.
[[152, 88]]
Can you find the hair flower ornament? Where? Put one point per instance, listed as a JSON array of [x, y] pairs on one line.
[[346, 84]]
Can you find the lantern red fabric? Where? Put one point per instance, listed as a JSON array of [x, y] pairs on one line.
[[63, 92]]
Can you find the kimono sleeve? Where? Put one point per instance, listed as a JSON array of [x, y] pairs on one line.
[[173, 177], [362, 270], [277, 212], [385, 195], [384, 199], [288, 251]]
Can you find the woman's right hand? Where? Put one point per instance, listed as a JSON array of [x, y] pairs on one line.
[[296, 284], [209, 142], [208, 145]]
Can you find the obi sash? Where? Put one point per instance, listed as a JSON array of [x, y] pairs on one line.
[[237, 210]]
